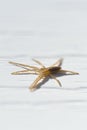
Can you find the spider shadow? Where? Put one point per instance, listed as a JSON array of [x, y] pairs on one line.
[[48, 78]]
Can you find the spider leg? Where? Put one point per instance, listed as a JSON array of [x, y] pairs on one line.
[[53, 77], [22, 72], [35, 83], [23, 65], [58, 63], [67, 71], [38, 62]]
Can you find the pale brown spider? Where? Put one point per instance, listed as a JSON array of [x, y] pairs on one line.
[[42, 72]]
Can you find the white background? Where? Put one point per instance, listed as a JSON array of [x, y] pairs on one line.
[[45, 30]]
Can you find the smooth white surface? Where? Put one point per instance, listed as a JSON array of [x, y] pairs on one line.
[[45, 30]]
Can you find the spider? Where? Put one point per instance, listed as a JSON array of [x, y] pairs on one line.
[[42, 72]]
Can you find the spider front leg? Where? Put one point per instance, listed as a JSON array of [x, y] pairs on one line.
[[68, 71], [57, 63]]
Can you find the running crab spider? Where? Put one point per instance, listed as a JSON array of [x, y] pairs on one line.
[[42, 72]]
